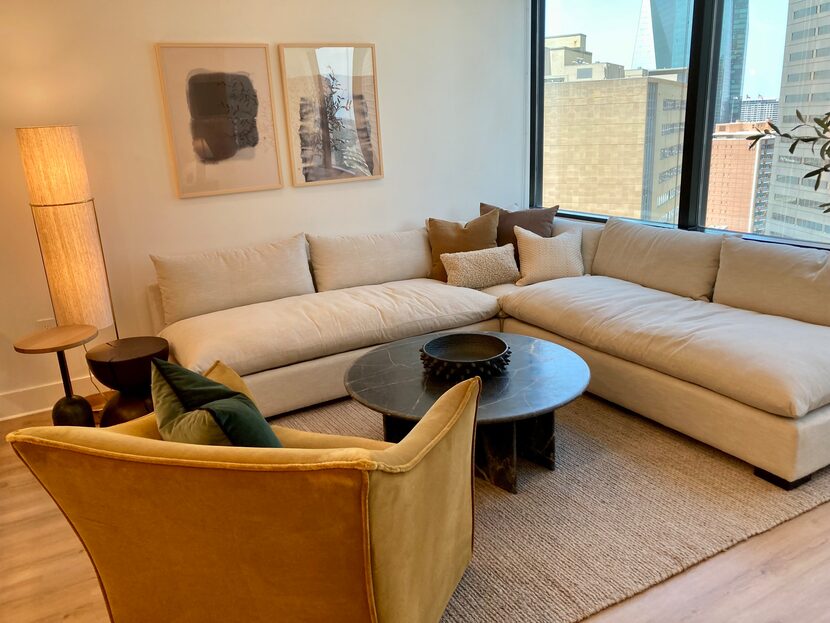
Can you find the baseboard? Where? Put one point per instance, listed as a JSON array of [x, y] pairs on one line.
[[29, 400]]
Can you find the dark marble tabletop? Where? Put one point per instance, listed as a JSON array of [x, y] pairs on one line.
[[541, 377]]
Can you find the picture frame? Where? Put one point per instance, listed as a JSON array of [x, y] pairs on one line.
[[335, 82], [220, 117]]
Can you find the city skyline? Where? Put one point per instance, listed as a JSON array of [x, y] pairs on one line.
[[613, 35]]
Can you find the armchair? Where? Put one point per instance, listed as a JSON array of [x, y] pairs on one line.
[[326, 529]]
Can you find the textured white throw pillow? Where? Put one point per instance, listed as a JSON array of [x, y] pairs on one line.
[[542, 259], [481, 269]]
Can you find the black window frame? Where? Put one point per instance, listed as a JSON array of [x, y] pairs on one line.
[[704, 51]]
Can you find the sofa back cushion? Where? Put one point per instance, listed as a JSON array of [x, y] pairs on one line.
[[775, 279], [681, 262], [192, 285], [368, 259]]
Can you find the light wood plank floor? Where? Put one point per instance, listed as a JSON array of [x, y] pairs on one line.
[[779, 576]]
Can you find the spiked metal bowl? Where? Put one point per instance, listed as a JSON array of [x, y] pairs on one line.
[[458, 356]]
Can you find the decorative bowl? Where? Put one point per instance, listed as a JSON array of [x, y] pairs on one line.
[[465, 355]]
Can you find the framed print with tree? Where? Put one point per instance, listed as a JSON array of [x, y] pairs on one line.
[[331, 109], [220, 117]]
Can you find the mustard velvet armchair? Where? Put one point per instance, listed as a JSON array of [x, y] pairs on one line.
[[328, 529]]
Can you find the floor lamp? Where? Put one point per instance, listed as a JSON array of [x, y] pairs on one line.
[[67, 231]]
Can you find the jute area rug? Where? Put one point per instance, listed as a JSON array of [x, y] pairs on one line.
[[629, 505]]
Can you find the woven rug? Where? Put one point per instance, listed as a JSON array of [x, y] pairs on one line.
[[630, 504]]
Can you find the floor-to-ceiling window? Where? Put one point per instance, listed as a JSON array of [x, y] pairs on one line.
[[614, 112]]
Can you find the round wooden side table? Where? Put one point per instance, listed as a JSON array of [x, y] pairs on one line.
[[124, 365], [71, 410]]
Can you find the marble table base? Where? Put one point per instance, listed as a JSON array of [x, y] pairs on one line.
[[498, 445]]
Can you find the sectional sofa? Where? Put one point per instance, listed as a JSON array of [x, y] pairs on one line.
[[723, 339]]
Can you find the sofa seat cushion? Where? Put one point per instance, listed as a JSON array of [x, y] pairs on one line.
[[775, 364], [278, 333]]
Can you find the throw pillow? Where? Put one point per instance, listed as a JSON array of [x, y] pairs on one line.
[[537, 220], [451, 237], [191, 408], [481, 269], [541, 259]]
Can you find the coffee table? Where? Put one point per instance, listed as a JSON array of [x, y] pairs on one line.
[[516, 411]]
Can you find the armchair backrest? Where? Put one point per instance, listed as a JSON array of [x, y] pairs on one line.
[[182, 532]]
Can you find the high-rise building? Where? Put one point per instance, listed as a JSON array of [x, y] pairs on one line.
[[739, 179], [757, 110], [613, 144], [732, 60], [663, 39], [794, 210]]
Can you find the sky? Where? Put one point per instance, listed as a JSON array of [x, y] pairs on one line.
[[611, 26]]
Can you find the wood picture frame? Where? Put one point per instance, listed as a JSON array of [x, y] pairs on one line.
[[336, 82], [220, 117]]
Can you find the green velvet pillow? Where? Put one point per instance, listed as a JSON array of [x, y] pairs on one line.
[[193, 409]]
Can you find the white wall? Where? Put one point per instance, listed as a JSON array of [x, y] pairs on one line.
[[453, 84]]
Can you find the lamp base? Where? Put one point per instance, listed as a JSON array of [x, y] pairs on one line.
[[74, 411]]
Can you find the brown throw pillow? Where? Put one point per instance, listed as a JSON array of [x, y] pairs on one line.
[[537, 220], [451, 237]]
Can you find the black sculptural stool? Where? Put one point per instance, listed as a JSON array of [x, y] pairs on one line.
[[124, 365]]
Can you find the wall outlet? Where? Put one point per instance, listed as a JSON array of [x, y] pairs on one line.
[[46, 323]]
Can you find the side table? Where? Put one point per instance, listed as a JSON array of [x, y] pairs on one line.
[[71, 410], [124, 365]]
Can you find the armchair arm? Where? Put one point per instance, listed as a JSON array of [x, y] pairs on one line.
[[421, 511], [293, 438]]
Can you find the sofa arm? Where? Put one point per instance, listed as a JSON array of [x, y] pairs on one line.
[[421, 511]]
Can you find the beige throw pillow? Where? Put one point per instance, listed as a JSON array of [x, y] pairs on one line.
[[542, 259], [481, 269]]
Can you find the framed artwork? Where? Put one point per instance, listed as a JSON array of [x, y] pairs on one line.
[[220, 117], [331, 110]]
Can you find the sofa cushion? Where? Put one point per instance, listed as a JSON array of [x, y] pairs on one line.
[[452, 237], [775, 364], [537, 220], [205, 282], [348, 261], [775, 279], [681, 262], [191, 408], [484, 268], [591, 233], [278, 333], [549, 258]]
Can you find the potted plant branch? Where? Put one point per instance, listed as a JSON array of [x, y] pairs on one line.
[[818, 138]]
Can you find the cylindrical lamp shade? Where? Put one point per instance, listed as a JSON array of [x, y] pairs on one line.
[[74, 263], [53, 161], [66, 225]]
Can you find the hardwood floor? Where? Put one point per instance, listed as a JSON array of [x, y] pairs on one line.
[[779, 576]]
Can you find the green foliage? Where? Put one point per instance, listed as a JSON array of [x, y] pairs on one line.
[[817, 137]]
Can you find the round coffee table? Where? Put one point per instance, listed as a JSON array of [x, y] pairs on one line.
[[515, 410]]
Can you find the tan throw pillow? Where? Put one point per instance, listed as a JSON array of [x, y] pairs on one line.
[[542, 259], [537, 220], [451, 237], [481, 269]]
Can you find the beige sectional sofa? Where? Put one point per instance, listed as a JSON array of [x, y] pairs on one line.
[[725, 340]]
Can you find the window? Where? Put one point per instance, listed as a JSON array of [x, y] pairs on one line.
[[799, 77], [765, 192], [616, 144], [599, 158], [810, 10], [803, 34]]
